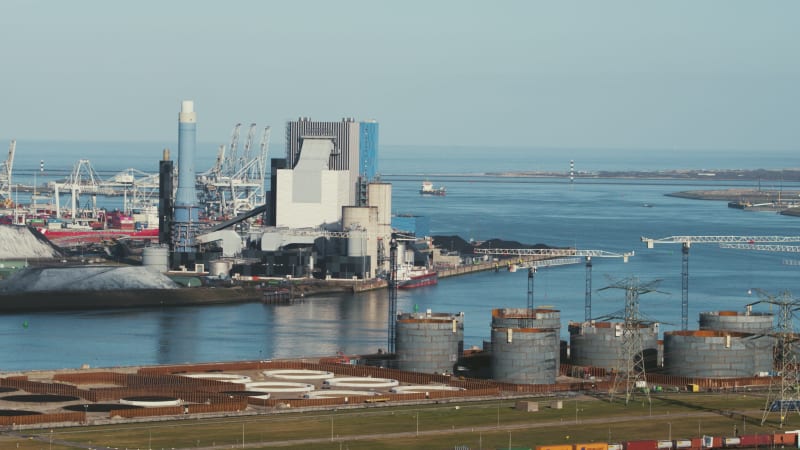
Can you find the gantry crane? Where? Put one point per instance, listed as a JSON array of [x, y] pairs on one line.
[[686, 243], [558, 252], [5, 174]]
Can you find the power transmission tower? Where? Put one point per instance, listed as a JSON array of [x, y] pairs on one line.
[[631, 361], [784, 397], [392, 338]]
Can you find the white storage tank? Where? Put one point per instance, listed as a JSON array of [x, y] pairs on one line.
[[156, 258]]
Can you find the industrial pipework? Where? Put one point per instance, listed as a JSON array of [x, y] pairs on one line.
[[186, 208]]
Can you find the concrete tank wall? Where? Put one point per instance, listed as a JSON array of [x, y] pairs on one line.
[[716, 354], [156, 258], [599, 344], [525, 355], [754, 322], [525, 318], [380, 196], [526, 345], [429, 342], [357, 220]]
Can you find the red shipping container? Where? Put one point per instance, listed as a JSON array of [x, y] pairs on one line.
[[641, 445], [752, 440], [785, 438]]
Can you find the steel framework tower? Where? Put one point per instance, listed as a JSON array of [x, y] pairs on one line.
[[785, 397], [632, 365], [392, 296]]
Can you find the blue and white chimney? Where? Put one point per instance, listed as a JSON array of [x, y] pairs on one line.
[[186, 207]]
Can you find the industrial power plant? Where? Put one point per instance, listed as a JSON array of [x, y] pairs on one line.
[[326, 217]]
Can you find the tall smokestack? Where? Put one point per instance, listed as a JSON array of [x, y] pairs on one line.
[[186, 208], [165, 201]]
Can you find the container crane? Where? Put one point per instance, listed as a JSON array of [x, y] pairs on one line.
[[555, 253], [686, 243], [5, 174]]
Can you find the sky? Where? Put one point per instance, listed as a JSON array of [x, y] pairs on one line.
[[678, 74]]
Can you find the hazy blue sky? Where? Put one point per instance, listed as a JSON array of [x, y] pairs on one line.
[[599, 74]]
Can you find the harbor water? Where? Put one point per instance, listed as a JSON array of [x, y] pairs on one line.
[[602, 214]]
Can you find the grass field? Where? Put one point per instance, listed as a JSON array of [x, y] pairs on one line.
[[489, 424]]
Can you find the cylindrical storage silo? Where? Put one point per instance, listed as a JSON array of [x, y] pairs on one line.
[[526, 345], [429, 342], [753, 322], [219, 268], [380, 195], [526, 318], [600, 344], [156, 258], [356, 220], [716, 354]]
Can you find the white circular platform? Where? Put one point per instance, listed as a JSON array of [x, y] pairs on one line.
[[419, 389], [261, 397], [335, 393], [226, 377], [298, 374], [361, 383], [151, 404], [279, 386]]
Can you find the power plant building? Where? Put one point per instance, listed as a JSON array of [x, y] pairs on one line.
[[355, 149], [311, 194]]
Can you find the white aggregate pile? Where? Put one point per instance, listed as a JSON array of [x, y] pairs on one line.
[[18, 242], [90, 278]]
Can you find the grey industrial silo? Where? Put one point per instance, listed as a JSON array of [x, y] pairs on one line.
[[429, 342], [526, 345], [599, 344], [716, 354]]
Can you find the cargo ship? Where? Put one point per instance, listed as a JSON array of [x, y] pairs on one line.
[[428, 189], [414, 277]]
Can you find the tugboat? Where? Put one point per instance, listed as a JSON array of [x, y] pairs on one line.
[[428, 189]]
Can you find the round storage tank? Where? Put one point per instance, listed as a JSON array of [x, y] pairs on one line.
[[220, 269], [429, 342], [754, 322], [526, 345], [380, 196], [156, 258], [716, 354], [526, 318], [361, 222], [599, 344]]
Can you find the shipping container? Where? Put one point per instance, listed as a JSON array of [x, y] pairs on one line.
[[641, 445], [683, 443], [784, 439], [592, 446], [731, 442], [752, 440], [615, 447], [664, 445], [554, 447]]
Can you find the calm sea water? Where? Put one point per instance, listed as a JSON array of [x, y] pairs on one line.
[[589, 214]]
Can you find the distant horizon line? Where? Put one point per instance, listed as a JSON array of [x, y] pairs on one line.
[[465, 146]]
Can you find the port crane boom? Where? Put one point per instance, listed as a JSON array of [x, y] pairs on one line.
[[5, 173], [717, 239], [686, 243], [554, 253], [763, 247]]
